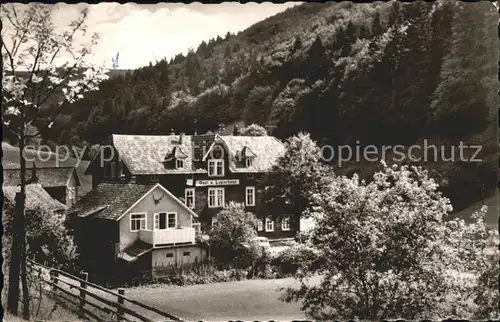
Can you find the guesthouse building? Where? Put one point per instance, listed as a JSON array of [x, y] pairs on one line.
[[204, 171]]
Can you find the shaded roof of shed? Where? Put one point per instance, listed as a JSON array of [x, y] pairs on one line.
[[36, 198], [48, 177]]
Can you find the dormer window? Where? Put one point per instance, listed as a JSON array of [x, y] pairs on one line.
[[246, 157], [179, 164], [175, 158]]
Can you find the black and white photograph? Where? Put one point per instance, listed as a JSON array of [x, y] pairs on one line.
[[250, 161]]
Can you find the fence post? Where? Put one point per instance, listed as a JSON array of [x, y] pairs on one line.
[[54, 278], [83, 287], [119, 308]]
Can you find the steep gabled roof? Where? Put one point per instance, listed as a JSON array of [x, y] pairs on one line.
[[113, 200], [172, 196], [36, 198], [48, 177], [247, 152], [145, 154], [177, 153], [109, 200], [265, 149]]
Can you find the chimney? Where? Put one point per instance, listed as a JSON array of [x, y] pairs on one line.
[[181, 137], [236, 130]]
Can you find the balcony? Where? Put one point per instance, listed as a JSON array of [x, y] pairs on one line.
[[168, 236]]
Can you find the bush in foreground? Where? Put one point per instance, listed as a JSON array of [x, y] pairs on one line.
[[288, 262], [385, 251], [234, 229]]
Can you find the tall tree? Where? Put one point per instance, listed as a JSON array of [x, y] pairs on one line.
[[254, 130], [317, 61], [386, 249], [234, 228], [377, 28], [297, 176], [465, 95], [258, 105], [42, 68], [193, 72]]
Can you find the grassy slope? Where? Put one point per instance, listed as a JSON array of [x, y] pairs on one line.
[[10, 159], [244, 300]]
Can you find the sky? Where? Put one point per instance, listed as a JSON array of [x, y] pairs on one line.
[[144, 33]]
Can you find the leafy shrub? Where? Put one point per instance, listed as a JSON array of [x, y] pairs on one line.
[[254, 130], [288, 262], [235, 227], [193, 278], [261, 263], [47, 238]]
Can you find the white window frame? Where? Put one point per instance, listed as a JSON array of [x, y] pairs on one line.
[[269, 221], [248, 162], [260, 225], [251, 202], [179, 163], [285, 224], [140, 221], [155, 178], [213, 165], [192, 191], [217, 192], [156, 222]]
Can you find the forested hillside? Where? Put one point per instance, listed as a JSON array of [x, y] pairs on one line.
[[381, 73]]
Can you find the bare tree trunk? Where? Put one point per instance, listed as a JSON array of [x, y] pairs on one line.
[[15, 261], [22, 226], [17, 269]]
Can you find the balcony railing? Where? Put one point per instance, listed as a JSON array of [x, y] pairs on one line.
[[168, 236]]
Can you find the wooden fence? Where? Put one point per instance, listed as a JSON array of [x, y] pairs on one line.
[[95, 302]]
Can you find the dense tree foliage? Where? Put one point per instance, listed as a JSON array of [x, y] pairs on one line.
[[34, 89], [340, 71], [297, 176], [47, 238], [387, 249], [254, 130], [233, 230]]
